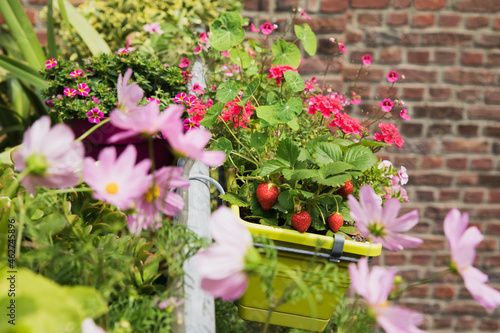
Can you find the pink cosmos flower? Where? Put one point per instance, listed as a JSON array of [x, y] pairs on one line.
[[367, 59], [203, 37], [94, 115], [129, 95], [386, 105], [304, 15], [89, 326], [390, 135], [222, 265], [197, 88], [342, 48], [145, 120], [158, 200], [70, 92], [51, 154], [197, 49], [381, 224], [225, 54], [404, 115], [392, 76], [76, 73], [83, 89], [375, 287], [184, 63], [179, 98], [463, 242], [51, 63], [267, 28], [118, 181], [254, 29], [153, 28]]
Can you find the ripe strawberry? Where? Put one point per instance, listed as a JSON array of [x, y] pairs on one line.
[[335, 221], [345, 190], [301, 221], [267, 195]]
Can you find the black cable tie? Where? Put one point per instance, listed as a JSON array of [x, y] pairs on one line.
[[338, 248]]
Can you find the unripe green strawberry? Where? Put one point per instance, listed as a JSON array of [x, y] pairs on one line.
[[267, 195], [345, 190], [335, 221], [301, 221]]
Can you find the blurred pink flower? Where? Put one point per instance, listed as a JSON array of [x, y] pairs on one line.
[[392, 76], [169, 302], [69, 92], [404, 115], [197, 88], [52, 156], [76, 73], [94, 115], [342, 48], [381, 224], [222, 265], [267, 28], [386, 105], [254, 29], [88, 326], [83, 89], [225, 54], [184, 63], [153, 28], [375, 287], [367, 59], [129, 95], [51, 63], [304, 15], [118, 181], [198, 48], [203, 37], [463, 242]]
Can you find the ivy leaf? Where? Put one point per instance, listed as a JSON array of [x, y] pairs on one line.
[[360, 157], [234, 199], [307, 37], [226, 31], [327, 152], [280, 113], [286, 53], [212, 114], [287, 152], [224, 145], [227, 91], [294, 81]]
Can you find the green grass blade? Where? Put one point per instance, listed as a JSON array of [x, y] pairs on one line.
[[22, 71], [51, 36]]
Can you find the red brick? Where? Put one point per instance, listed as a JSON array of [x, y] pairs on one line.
[[483, 163], [489, 324], [449, 20], [483, 6], [474, 196], [489, 245], [493, 96], [445, 57], [39, 2], [441, 322], [400, 4], [438, 112], [431, 162], [334, 6], [353, 36], [489, 180], [429, 4], [413, 93], [444, 291], [370, 75], [465, 308], [439, 94], [489, 40], [42, 36], [493, 228], [471, 179], [447, 39], [423, 20], [397, 19], [469, 76], [370, 19], [468, 130], [439, 130], [313, 65], [496, 23], [470, 94], [419, 291], [418, 57], [390, 55], [432, 179], [458, 145], [287, 6], [394, 259], [475, 22], [494, 59], [466, 324], [489, 213], [421, 259], [457, 163], [449, 195], [418, 75], [325, 24], [251, 5], [370, 4], [484, 113], [387, 92], [470, 58], [411, 129], [493, 261]]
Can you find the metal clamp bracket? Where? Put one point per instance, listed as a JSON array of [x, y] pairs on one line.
[[338, 248]]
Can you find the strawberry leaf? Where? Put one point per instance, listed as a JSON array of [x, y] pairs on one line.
[[327, 152], [360, 157], [234, 199]]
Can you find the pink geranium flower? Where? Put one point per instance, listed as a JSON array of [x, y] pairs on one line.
[[381, 224], [375, 287], [184, 63], [51, 63], [76, 73], [278, 71], [52, 156], [153, 28], [222, 265], [386, 105], [390, 135], [94, 115], [254, 29], [404, 115], [267, 28], [118, 181], [69, 92], [129, 95], [463, 242], [83, 89], [392, 76], [203, 37], [367, 59], [342, 48]]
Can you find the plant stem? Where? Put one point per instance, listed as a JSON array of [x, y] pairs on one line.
[[398, 293], [84, 135]]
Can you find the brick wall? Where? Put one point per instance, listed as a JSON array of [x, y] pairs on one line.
[[449, 52]]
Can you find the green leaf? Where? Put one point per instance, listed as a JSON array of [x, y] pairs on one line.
[[286, 53], [334, 168], [271, 166], [51, 224], [247, 94], [303, 174], [360, 157], [288, 152], [272, 98], [212, 114], [307, 37], [280, 113], [285, 199], [51, 36], [245, 60], [259, 141], [370, 143], [327, 152], [224, 145], [294, 81], [304, 155], [234, 199], [226, 31], [294, 124], [22, 71], [350, 230], [268, 221], [334, 181], [227, 91]]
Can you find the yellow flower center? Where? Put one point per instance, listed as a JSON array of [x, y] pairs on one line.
[[152, 194], [112, 188]]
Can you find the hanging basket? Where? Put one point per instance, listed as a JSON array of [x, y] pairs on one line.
[[295, 250]]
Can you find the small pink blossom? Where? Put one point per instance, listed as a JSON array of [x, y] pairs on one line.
[[404, 115], [95, 100], [381, 224], [190, 123], [153, 28], [198, 49], [355, 99], [83, 89], [152, 99], [386, 105], [169, 302], [267, 28], [203, 37], [94, 115], [70, 92], [184, 63], [367, 59], [179, 98], [402, 175], [254, 29], [125, 50], [76, 73], [197, 88], [332, 40], [392, 76], [225, 54], [463, 242], [390, 135], [342, 48], [51, 63], [375, 287], [304, 15], [223, 264]]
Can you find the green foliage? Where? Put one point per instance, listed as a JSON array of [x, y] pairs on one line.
[[101, 76], [307, 37], [226, 31]]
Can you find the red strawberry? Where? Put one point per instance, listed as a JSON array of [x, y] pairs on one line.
[[267, 195], [335, 221], [345, 190], [301, 221]]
